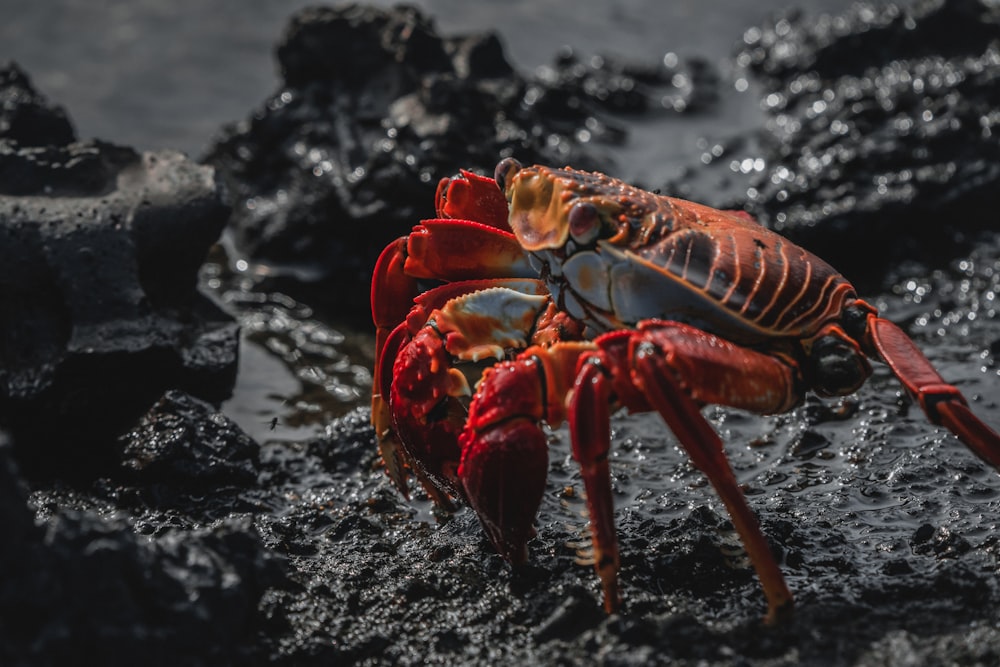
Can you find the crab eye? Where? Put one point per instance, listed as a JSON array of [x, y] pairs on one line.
[[505, 170], [584, 222]]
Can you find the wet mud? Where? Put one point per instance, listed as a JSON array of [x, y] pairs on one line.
[[176, 535]]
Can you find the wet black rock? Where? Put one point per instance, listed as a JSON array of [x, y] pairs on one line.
[[85, 587], [883, 128], [631, 87], [99, 254], [13, 511], [348, 446], [182, 446], [375, 108], [27, 116]]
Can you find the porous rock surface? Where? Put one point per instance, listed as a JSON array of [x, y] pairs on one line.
[[120, 574], [99, 254], [883, 135]]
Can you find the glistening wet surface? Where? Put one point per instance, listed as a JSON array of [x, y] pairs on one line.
[[191, 543], [886, 526]]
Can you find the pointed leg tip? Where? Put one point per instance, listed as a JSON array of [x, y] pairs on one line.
[[612, 601], [517, 555], [976, 434], [779, 613]]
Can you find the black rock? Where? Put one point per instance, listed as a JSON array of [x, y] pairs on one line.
[[26, 116], [884, 139], [374, 110], [85, 587], [626, 87], [121, 600], [99, 254], [184, 447]]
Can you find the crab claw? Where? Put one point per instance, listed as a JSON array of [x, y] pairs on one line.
[[505, 456], [503, 471], [427, 413], [470, 196]]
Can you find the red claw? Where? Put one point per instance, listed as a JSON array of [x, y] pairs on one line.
[[421, 403], [503, 473], [468, 248], [472, 197], [505, 455], [426, 415]]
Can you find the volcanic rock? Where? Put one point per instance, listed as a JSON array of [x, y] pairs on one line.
[[884, 134], [99, 254], [374, 110]]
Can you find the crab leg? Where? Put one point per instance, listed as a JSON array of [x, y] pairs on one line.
[[677, 369], [590, 433], [942, 402], [705, 449], [389, 448]]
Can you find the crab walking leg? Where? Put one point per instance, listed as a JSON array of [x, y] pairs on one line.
[[389, 446], [942, 402], [679, 368], [590, 433]]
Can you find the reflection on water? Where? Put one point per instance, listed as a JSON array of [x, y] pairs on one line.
[[297, 373]]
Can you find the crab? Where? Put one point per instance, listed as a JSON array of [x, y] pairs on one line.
[[543, 296]]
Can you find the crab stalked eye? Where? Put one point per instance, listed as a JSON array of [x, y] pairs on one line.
[[505, 170], [584, 222]]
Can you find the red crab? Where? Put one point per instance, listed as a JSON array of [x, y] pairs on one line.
[[563, 295]]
